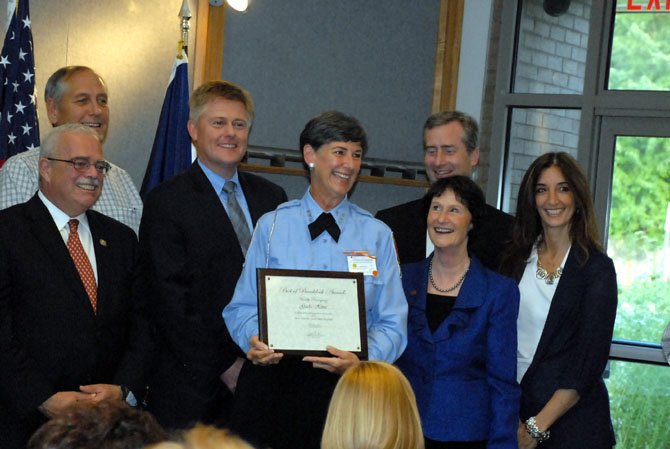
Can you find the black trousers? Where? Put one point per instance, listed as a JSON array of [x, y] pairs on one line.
[[282, 406]]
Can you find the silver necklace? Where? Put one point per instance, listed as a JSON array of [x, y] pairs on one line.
[[547, 276], [445, 290]]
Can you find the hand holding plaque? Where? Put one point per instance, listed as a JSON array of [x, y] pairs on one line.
[[302, 312], [261, 354], [337, 363]]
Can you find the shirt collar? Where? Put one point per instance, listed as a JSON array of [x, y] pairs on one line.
[[217, 180], [314, 210], [59, 217]]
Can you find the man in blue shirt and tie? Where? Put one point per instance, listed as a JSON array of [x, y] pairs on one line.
[[194, 235]]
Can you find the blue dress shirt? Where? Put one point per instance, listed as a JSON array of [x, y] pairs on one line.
[[218, 182], [282, 240]]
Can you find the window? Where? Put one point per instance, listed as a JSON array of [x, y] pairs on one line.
[[533, 132], [551, 54], [605, 102], [639, 399], [640, 58], [639, 234]]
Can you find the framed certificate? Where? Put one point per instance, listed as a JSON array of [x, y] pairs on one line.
[[302, 311]]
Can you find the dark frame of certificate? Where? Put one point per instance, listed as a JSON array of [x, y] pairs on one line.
[[308, 321]]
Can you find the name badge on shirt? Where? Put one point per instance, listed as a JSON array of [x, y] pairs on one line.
[[362, 262]]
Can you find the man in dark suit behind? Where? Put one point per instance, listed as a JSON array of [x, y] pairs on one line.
[[450, 141], [193, 242], [69, 331]]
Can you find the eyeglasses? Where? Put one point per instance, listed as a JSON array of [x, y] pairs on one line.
[[82, 164]]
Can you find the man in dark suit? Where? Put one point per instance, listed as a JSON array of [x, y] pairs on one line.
[[450, 141], [194, 235], [69, 328]]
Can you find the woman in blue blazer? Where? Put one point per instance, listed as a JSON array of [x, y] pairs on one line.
[[568, 304], [461, 350]]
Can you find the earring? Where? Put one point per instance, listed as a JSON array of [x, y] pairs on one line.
[[311, 165]]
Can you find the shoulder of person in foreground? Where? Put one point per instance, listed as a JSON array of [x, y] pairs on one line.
[[268, 218], [18, 178], [106, 224], [264, 184], [400, 208], [123, 186], [375, 222]]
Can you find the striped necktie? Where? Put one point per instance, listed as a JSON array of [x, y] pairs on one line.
[[82, 263], [237, 217]]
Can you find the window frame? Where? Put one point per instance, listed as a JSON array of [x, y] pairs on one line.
[[600, 110]]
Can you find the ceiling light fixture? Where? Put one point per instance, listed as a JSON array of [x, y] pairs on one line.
[[238, 5]]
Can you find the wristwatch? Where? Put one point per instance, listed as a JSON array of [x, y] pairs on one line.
[[128, 395]]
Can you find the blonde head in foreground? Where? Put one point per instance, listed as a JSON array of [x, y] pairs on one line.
[[373, 407], [205, 437]]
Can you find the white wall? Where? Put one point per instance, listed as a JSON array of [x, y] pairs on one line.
[[472, 65], [130, 43]]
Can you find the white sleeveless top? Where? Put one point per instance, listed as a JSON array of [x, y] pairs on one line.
[[536, 296]]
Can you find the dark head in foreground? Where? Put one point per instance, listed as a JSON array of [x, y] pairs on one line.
[[103, 425]]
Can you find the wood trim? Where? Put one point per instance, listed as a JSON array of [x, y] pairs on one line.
[[209, 46], [208, 52], [208, 65], [448, 54], [302, 173]]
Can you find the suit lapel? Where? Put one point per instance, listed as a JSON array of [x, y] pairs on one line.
[[100, 247], [469, 297], [45, 232], [255, 199], [220, 226], [418, 298]]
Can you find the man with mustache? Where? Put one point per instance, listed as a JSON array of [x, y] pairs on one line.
[[194, 236], [70, 330], [74, 94], [450, 141]]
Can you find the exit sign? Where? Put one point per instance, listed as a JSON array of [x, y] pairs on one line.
[[651, 5]]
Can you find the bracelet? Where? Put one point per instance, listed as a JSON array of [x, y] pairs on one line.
[[535, 432]]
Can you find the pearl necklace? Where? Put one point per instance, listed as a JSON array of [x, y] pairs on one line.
[[547, 276], [445, 290]]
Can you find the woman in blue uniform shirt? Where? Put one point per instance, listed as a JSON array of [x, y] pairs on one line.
[[461, 350], [282, 402]]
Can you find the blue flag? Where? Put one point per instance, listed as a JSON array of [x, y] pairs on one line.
[[19, 130], [171, 152]]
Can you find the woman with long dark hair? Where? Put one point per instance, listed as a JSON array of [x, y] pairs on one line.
[[568, 305]]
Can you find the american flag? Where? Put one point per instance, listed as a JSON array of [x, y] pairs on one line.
[[19, 130]]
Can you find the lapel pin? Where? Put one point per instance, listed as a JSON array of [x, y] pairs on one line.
[[103, 242]]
